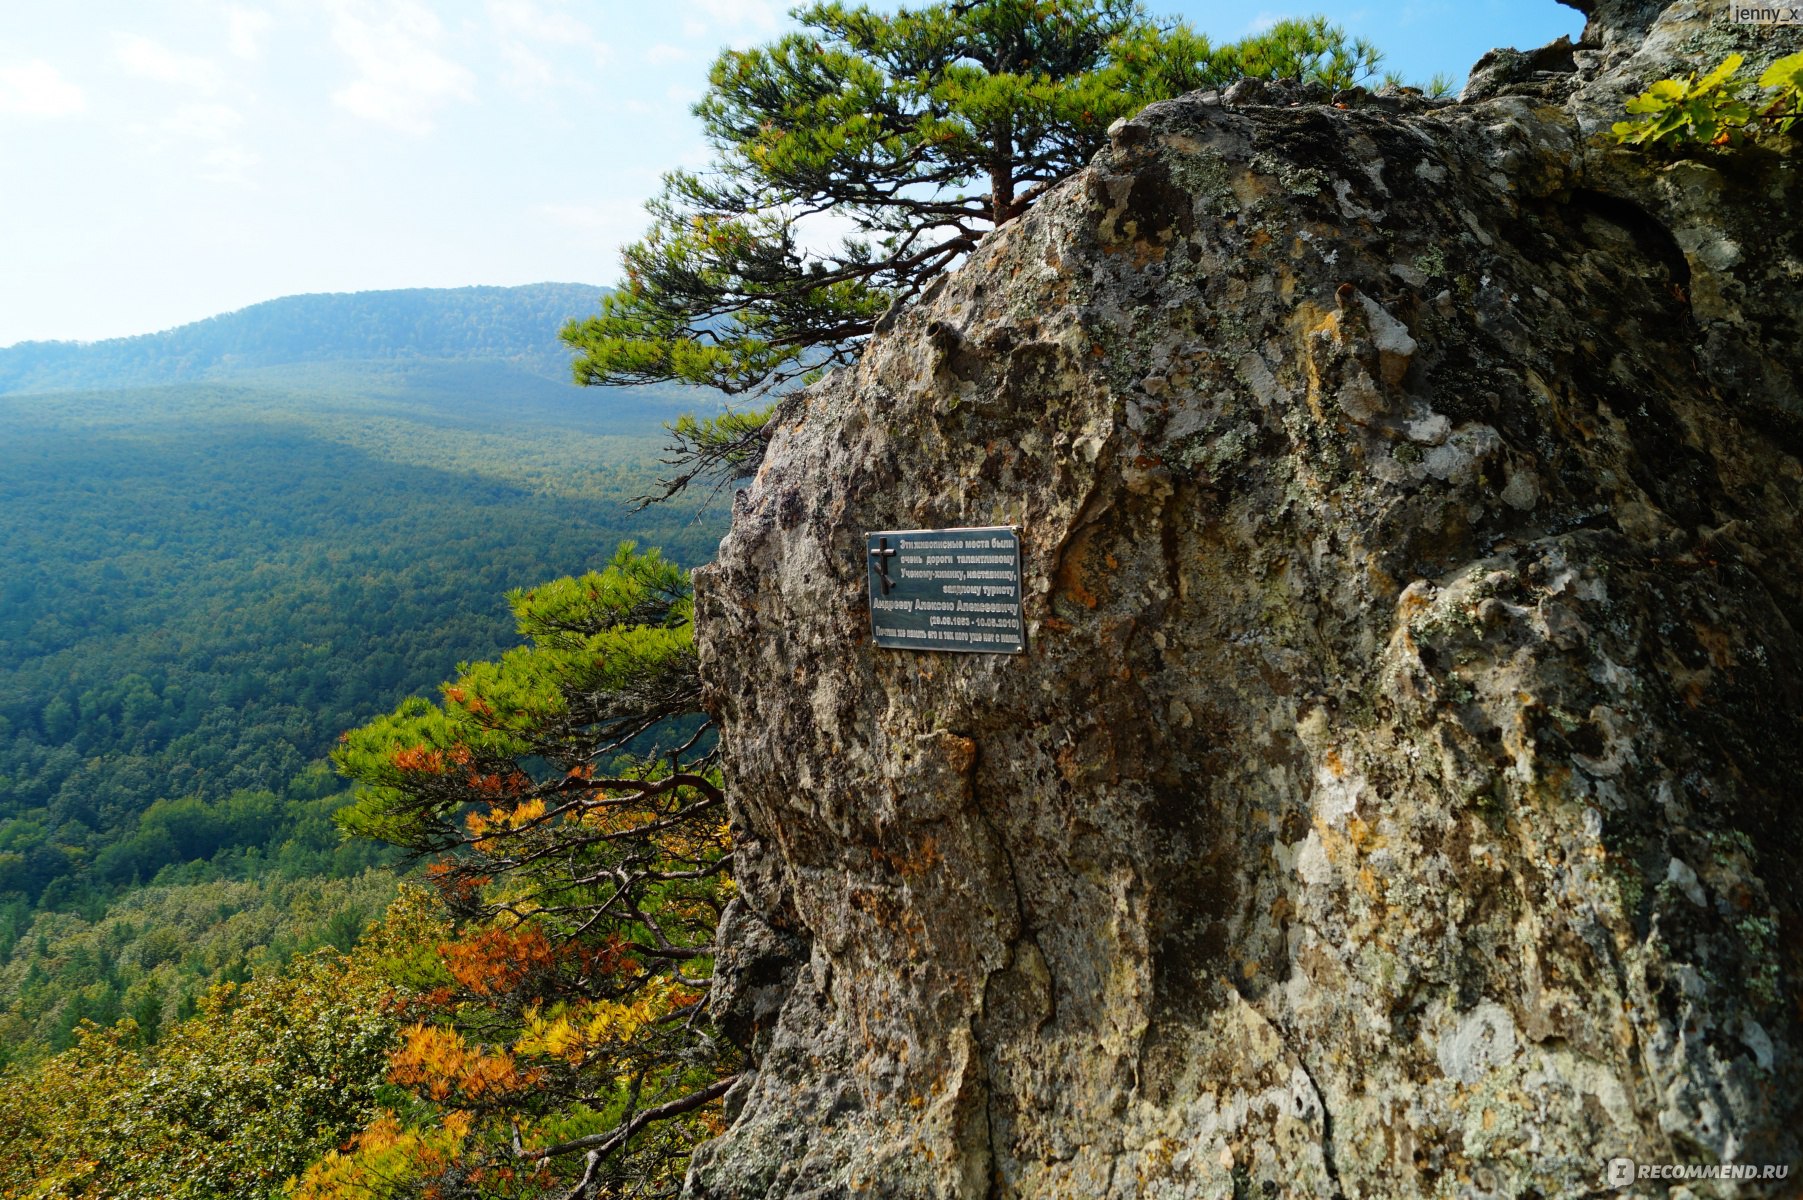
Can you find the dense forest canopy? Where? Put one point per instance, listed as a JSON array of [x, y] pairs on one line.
[[207, 583]]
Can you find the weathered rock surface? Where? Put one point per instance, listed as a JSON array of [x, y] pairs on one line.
[[1399, 794]]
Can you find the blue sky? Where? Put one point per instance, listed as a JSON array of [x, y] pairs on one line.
[[165, 160]]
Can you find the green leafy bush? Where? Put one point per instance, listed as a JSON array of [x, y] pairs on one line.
[[1715, 110]]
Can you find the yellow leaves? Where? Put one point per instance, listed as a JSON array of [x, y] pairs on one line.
[[1713, 109], [384, 1133], [526, 813], [591, 1028], [502, 818], [554, 1039], [440, 1063], [1786, 72], [385, 1159], [1720, 75]]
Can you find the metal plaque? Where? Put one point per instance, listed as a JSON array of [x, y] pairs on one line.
[[947, 589]]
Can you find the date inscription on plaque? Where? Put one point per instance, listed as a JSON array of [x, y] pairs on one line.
[[947, 589]]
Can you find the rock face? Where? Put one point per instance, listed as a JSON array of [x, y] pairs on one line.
[[1399, 794]]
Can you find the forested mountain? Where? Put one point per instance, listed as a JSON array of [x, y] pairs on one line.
[[516, 325], [206, 583]]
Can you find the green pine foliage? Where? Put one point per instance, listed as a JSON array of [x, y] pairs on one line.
[[921, 129], [610, 661]]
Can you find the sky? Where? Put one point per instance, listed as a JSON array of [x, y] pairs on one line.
[[162, 161]]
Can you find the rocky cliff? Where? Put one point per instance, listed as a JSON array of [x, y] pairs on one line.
[[1398, 794]]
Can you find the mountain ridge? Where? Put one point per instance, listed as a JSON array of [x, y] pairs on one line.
[[517, 325]]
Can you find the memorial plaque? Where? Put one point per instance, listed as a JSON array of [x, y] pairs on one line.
[[947, 589]]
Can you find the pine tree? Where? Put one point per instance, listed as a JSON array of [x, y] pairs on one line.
[[921, 130], [568, 798]]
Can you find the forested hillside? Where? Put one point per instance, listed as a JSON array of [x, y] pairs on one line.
[[516, 325], [205, 584]]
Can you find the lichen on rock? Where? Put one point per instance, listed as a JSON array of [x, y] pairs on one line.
[[1397, 795]]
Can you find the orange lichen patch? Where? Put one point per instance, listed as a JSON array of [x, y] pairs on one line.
[[1417, 600], [1071, 577], [1316, 329], [959, 753], [1715, 643], [1146, 252], [883, 909], [911, 864]]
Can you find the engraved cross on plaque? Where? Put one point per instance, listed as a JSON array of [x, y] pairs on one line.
[[883, 554]]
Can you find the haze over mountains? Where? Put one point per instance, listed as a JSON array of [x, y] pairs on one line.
[[512, 325]]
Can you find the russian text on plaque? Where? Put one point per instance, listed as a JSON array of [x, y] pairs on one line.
[[946, 589]]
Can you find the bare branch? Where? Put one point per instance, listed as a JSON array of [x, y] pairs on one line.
[[606, 1143]]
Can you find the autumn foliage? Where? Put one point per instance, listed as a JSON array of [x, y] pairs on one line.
[[556, 1041]]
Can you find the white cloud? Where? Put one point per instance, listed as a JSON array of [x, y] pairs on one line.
[[208, 122], [150, 59], [603, 227], [535, 22], [712, 18], [825, 233], [202, 140], [402, 79], [526, 71], [663, 54], [522, 27], [582, 216], [245, 29], [37, 89], [228, 163]]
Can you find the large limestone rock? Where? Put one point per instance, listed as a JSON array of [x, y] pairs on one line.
[[1400, 794]]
